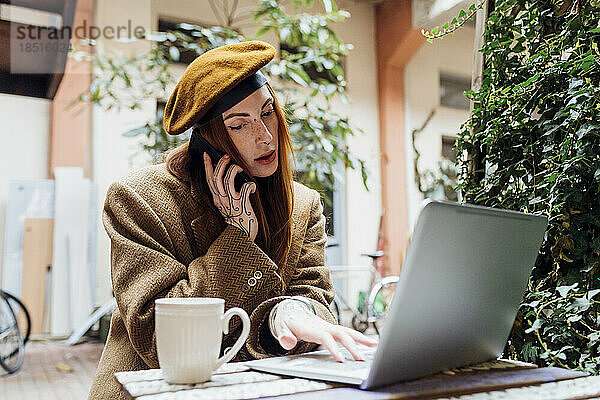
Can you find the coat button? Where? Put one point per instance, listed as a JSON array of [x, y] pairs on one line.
[[252, 282], [258, 274]]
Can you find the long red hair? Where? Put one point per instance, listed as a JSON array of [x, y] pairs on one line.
[[273, 200]]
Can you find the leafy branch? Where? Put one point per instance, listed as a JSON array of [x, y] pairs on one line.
[[454, 24], [312, 57]]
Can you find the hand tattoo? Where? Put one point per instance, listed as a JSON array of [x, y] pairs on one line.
[[235, 207], [237, 211]]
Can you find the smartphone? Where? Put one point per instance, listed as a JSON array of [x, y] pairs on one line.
[[199, 145]]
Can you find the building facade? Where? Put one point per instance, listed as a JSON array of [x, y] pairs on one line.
[[395, 80]]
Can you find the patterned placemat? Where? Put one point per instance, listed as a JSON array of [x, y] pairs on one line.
[[243, 391], [237, 381], [231, 381], [156, 374]]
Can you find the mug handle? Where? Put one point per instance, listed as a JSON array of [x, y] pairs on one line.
[[241, 340]]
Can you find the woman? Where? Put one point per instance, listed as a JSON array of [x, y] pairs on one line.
[[186, 228]]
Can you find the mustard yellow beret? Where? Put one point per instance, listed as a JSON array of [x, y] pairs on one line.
[[209, 77]]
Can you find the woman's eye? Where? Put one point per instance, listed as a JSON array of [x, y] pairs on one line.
[[267, 113], [236, 128]]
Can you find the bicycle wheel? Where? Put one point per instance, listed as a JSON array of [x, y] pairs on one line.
[[17, 305], [380, 300], [12, 348]]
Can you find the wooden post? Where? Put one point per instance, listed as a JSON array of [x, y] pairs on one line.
[[397, 42], [71, 128], [477, 75], [478, 57]]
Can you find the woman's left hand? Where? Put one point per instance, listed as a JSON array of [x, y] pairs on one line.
[[293, 322]]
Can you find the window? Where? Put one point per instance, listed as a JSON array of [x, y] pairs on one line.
[[448, 151], [451, 91], [332, 201], [327, 196], [448, 167]]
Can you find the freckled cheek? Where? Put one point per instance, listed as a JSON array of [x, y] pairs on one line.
[[245, 147]]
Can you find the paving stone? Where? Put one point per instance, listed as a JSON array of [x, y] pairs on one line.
[[39, 378]]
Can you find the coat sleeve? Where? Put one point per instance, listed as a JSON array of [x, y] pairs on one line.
[[144, 268], [311, 280]]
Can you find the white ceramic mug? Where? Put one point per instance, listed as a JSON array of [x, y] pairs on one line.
[[188, 337]]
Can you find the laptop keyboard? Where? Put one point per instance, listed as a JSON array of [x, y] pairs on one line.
[[323, 360], [319, 365], [367, 352]]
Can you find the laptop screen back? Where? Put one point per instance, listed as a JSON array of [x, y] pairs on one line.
[[460, 286]]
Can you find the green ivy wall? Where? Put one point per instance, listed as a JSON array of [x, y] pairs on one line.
[[533, 144]]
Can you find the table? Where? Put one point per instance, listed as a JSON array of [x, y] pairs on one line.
[[502, 379]]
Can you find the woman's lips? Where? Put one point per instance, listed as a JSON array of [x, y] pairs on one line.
[[268, 159]]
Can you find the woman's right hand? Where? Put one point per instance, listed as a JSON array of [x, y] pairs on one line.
[[234, 206]]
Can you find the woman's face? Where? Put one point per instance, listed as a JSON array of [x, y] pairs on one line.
[[253, 127]]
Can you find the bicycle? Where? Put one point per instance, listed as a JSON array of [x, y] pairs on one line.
[[12, 340], [380, 294]]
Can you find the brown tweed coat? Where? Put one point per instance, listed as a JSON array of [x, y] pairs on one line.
[[167, 241]]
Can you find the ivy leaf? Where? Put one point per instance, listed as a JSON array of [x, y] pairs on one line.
[[574, 318], [564, 290], [329, 6], [533, 304], [537, 324], [586, 129], [298, 78], [322, 35], [592, 293], [531, 80], [263, 30], [580, 304], [574, 85], [136, 132], [536, 200], [284, 33], [174, 53]]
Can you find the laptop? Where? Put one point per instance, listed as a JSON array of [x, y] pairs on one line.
[[462, 280]]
